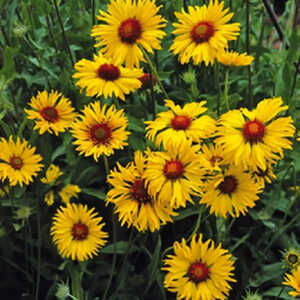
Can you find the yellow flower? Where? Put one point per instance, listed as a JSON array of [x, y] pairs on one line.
[[100, 130], [18, 162], [69, 191], [175, 175], [4, 190], [129, 25], [232, 58], [77, 232], [103, 76], [52, 112], [200, 271], [202, 32], [49, 198], [298, 138], [178, 124], [132, 200], [52, 173], [256, 138], [231, 193], [214, 154], [293, 280]]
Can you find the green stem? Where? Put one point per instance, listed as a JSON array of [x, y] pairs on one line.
[[226, 84], [250, 98], [221, 223], [67, 46], [217, 80], [76, 276], [198, 222], [106, 164], [154, 71]]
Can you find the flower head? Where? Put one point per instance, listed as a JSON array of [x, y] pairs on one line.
[[176, 174], [18, 163], [129, 25], [178, 124], [51, 112], [103, 76], [77, 232], [132, 199], [52, 173], [291, 257], [256, 138], [202, 32], [235, 59], [100, 130], [232, 192], [293, 280], [200, 271]]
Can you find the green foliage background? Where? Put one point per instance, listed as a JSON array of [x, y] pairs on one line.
[[34, 57]]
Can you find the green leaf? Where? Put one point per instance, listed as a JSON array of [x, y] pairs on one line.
[[8, 69], [120, 247], [93, 192]]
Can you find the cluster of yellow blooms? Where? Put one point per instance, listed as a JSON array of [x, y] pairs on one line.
[[223, 163]]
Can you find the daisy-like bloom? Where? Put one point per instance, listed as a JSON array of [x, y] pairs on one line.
[[100, 130], [51, 112], [18, 163], [234, 59], [258, 137], [69, 191], [52, 173], [103, 76], [176, 174], [202, 32], [178, 124], [293, 280], [201, 271], [133, 202], [214, 154], [263, 177], [231, 193], [128, 25], [77, 232]]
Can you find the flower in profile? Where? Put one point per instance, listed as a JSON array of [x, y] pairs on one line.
[[49, 198], [4, 190], [231, 193], [176, 174], [132, 200], [100, 130], [51, 112], [18, 163], [69, 191], [77, 232], [234, 59], [202, 32], [52, 173], [178, 124], [103, 76], [293, 280], [128, 26], [214, 154], [256, 138], [200, 271]]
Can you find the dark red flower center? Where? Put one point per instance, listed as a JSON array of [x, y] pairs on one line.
[[215, 159], [130, 30], [202, 32], [16, 162], [80, 232], [50, 114], [181, 122], [108, 72], [198, 272], [100, 133], [253, 131], [146, 81], [173, 169], [228, 185], [139, 192]]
